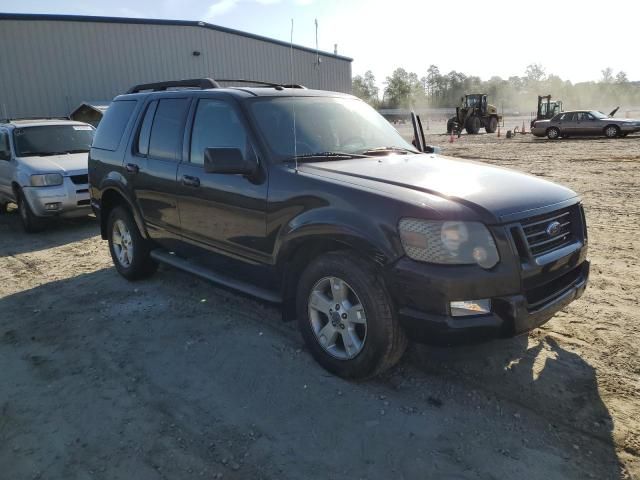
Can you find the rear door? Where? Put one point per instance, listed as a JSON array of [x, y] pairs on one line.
[[152, 165], [222, 211]]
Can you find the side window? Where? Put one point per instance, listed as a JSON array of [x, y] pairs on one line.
[[111, 128], [568, 117], [165, 140], [216, 124], [142, 147], [5, 150]]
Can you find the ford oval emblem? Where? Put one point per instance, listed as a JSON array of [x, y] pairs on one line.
[[553, 229]]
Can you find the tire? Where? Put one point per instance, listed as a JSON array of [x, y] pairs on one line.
[[553, 133], [129, 251], [375, 341], [30, 221], [450, 124], [611, 131], [473, 125], [492, 125]]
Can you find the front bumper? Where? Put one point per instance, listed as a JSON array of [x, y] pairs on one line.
[[71, 199], [426, 318]]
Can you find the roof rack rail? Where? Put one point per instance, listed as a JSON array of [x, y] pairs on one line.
[[259, 82], [201, 83]]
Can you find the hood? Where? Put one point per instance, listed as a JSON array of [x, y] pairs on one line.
[[66, 164], [497, 191]]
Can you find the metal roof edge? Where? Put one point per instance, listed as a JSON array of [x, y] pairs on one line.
[[151, 21]]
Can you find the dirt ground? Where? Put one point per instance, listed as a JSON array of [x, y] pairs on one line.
[[174, 378]]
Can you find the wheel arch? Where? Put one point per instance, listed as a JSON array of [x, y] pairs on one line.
[[617, 127], [111, 197], [301, 250]]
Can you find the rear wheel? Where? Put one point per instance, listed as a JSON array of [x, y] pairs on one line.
[[30, 221], [492, 125], [611, 131], [473, 125], [129, 251], [553, 133], [346, 317]]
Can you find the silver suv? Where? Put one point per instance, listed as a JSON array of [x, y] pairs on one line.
[[43, 169]]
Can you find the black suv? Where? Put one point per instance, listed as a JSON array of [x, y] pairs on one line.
[[312, 200]]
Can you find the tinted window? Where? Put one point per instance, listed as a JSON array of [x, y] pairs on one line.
[[568, 117], [167, 130], [216, 125], [5, 151], [113, 123], [323, 124], [145, 129], [52, 139]]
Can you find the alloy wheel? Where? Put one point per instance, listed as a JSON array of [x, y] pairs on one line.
[[122, 243], [337, 318]]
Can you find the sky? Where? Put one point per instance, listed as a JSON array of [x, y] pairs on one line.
[[574, 39]]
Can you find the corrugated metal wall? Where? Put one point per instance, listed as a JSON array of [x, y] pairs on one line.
[[48, 67]]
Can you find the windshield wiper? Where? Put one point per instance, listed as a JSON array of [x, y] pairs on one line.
[[78, 150], [383, 150], [328, 156]]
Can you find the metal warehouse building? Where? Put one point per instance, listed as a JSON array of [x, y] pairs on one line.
[[50, 64]]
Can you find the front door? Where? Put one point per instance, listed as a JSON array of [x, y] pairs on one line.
[[152, 165], [586, 124], [222, 211], [567, 123], [6, 167]]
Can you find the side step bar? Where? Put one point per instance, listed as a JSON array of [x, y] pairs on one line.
[[165, 257]]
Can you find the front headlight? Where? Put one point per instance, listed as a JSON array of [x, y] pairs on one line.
[[46, 180], [452, 243]]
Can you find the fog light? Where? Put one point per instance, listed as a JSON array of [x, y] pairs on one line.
[[52, 206], [470, 307]]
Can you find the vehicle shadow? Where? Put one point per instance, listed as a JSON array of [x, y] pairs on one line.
[[540, 377], [14, 240]]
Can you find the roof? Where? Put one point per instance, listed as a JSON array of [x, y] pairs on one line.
[[42, 122], [150, 21]]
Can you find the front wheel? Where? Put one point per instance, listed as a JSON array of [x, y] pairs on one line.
[[553, 133], [473, 125], [611, 131], [346, 317], [129, 251], [30, 221]]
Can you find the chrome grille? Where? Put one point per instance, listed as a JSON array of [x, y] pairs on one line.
[[540, 241]]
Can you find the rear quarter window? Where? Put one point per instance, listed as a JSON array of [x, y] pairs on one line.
[[111, 128]]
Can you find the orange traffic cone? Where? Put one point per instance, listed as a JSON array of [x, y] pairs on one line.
[[523, 130], [451, 137]]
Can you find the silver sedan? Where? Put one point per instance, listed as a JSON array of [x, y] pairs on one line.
[[584, 122]]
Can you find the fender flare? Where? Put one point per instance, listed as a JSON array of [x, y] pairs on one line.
[[115, 184]]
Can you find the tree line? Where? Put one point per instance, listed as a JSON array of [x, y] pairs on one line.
[[403, 89]]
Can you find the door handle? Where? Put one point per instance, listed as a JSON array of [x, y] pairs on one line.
[[190, 181], [132, 168]]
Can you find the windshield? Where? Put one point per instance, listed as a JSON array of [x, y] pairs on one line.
[[598, 115], [323, 125], [53, 139]]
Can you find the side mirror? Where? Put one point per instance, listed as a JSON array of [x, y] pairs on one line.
[[227, 160]]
